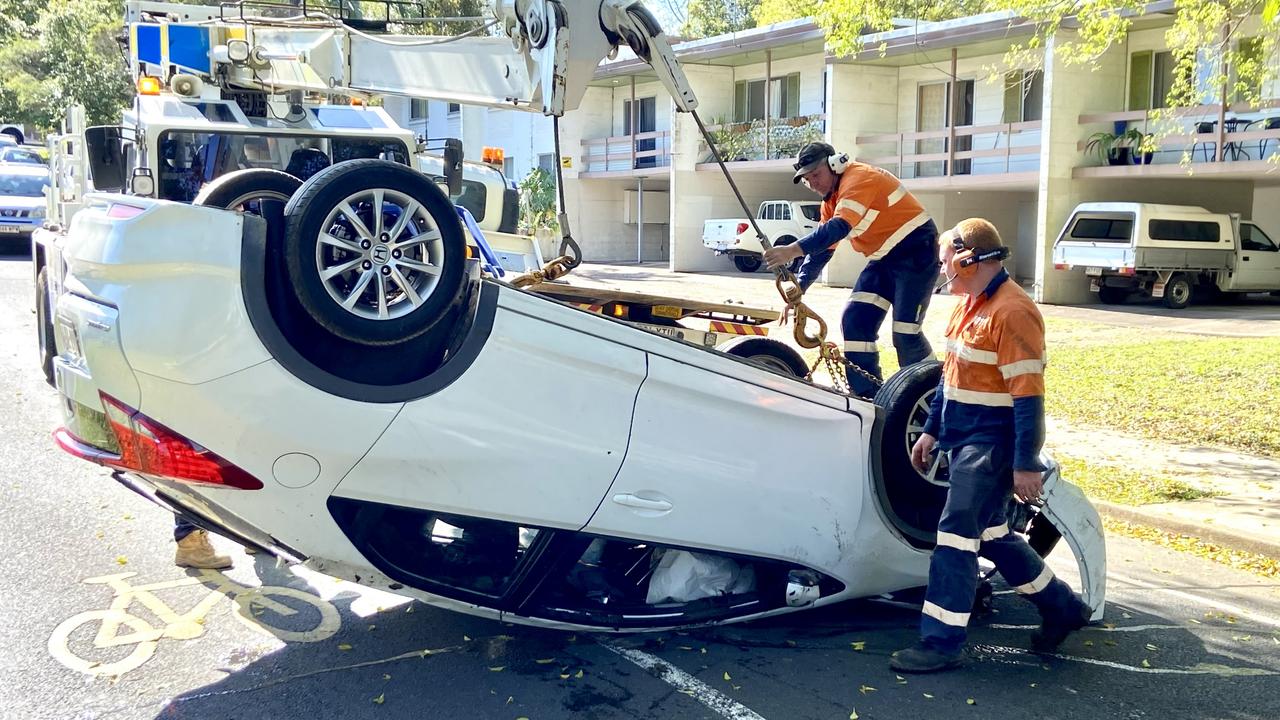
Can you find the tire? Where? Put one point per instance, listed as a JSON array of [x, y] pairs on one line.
[[382, 297], [1113, 295], [912, 502], [748, 263], [242, 189], [44, 326], [794, 267], [1177, 292], [768, 354]]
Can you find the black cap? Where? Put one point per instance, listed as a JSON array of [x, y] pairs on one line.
[[810, 157]]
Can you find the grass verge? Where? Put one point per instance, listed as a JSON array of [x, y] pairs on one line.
[[1125, 485], [1240, 560]]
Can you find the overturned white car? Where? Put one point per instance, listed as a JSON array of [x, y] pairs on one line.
[[342, 388]]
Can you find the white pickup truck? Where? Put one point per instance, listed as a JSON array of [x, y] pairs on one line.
[[1166, 252], [782, 221]]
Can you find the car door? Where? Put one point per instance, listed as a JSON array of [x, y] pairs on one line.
[[1259, 266]]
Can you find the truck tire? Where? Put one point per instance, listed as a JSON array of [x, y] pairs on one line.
[[44, 326], [912, 502], [245, 190], [360, 279], [1113, 295], [794, 267], [768, 354], [1177, 292], [748, 263]]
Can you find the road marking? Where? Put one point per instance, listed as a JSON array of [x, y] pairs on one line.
[[1207, 602], [1126, 628], [1197, 669], [687, 684]]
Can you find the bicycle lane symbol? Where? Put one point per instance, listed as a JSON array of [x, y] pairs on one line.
[[255, 607]]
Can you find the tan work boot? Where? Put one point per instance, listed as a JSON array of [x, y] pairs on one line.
[[195, 551]]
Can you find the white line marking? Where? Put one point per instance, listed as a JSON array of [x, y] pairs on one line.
[[1197, 669], [1127, 628], [1215, 604], [686, 684]]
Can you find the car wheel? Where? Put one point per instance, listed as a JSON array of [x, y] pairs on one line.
[[375, 251], [768, 354], [1113, 295], [248, 190], [1177, 292], [912, 500], [44, 326], [747, 263], [794, 266]]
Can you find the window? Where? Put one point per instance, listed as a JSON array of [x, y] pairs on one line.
[[811, 211], [418, 109], [749, 98], [1023, 96], [509, 167], [1105, 228], [23, 185], [766, 212], [1249, 69], [1151, 77], [784, 211], [547, 161], [1252, 238], [454, 108], [1184, 230]]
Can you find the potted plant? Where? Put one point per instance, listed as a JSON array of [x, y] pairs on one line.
[[1109, 147], [1135, 138], [538, 211]]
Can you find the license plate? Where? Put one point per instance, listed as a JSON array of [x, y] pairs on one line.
[[667, 311], [12, 229], [1093, 271]]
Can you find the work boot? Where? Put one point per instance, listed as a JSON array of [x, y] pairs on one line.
[[923, 659], [195, 551], [1052, 632]]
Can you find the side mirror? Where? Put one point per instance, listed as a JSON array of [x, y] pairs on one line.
[[453, 166], [104, 146]]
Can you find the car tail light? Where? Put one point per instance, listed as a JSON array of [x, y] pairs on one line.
[[1061, 266], [150, 448], [1128, 271], [742, 227]]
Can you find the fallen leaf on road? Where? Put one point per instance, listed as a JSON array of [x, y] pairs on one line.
[[1145, 664], [579, 675], [971, 701], [386, 677], [1195, 621], [545, 661], [466, 638], [860, 645], [687, 692], [564, 676], [1088, 643], [497, 668], [1151, 647], [344, 646], [901, 680], [372, 627], [380, 699], [122, 560], [791, 643], [1126, 616], [853, 715], [704, 651], [686, 647], [726, 676], [866, 689], [1111, 643], [1033, 684], [510, 699], [927, 696], [409, 609]]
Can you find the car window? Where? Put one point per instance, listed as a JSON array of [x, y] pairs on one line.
[[1185, 230], [766, 212], [784, 212], [23, 185], [1252, 238], [1103, 228], [20, 155], [811, 212]]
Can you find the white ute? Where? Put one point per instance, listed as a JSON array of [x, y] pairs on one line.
[[342, 388], [1166, 252], [782, 222]]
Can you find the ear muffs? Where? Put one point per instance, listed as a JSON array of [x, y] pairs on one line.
[[838, 162], [965, 262]]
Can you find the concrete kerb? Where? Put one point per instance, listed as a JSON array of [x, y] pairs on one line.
[[1268, 546]]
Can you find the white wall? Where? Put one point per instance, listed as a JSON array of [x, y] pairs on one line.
[[1266, 210]]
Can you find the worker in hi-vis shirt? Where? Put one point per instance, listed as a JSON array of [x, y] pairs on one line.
[[988, 416], [868, 207]]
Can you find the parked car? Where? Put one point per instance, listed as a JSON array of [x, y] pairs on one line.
[[349, 393], [22, 201], [18, 154], [1166, 252], [782, 221]]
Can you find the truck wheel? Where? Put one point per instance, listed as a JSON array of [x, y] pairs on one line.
[[912, 501], [1177, 292], [794, 267], [1113, 295], [768, 354], [748, 263], [375, 251], [44, 326], [248, 190]]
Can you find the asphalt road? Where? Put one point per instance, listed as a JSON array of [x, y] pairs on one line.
[[1184, 637]]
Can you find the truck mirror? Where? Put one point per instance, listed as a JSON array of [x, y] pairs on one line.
[[453, 166], [104, 146]]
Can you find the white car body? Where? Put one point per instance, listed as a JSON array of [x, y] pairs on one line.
[[778, 220], [547, 417]]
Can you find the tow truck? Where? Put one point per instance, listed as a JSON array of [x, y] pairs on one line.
[[342, 385]]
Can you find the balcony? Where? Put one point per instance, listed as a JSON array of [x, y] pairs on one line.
[[763, 144], [1005, 155], [1230, 141], [621, 156]]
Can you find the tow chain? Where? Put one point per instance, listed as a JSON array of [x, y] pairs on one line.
[[550, 272]]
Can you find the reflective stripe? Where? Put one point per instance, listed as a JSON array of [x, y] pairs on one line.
[[906, 328], [946, 617], [871, 299], [864, 224], [951, 540], [975, 397], [901, 233], [897, 195], [853, 205], [1040, 583], [971, 353], [858, 346], [1022, 367], [996, 532]]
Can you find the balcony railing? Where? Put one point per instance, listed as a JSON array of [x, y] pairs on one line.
[[624, 153], [962, 150], [769, 139], [1230, 133]]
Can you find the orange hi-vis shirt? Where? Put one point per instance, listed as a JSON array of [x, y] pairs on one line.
[[878, 209], [992, 384]]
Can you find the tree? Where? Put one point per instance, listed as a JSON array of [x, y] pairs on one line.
[[707, 18], [845, 21]]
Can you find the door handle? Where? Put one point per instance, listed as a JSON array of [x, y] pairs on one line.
[[635, 501]]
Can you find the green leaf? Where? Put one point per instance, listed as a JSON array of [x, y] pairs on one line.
[[380, 699], [971, 701], [1271, 11], [859, 645]]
